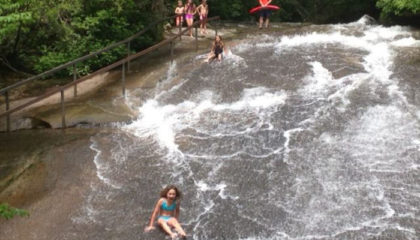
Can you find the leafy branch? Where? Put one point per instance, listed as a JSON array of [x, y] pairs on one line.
[[9, 212]]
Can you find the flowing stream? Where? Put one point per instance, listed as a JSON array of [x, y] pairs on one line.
[[313, 135]]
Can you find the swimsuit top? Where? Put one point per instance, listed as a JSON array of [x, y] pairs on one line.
[[189, 7], [264, 1], [218, 47], [166, 207]]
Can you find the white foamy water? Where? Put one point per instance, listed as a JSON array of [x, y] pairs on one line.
[[406, 42], [309, 136], [379, 129], [318, 83], [164, 122], [103, 168]]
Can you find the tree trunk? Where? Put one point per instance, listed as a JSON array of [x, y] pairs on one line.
[[14, 52]]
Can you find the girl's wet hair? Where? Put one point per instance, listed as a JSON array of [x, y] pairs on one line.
[[165, 191]]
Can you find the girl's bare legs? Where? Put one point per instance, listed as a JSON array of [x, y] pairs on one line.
[[219, 57], [164, 225], [261, 21], [205, 26], [190, 23], [209, 57], [174, 223]]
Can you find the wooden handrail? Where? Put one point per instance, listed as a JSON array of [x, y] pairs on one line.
[[102, 70], [71, 63]]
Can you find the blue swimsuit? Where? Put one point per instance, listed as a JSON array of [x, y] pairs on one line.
[[167, 208]]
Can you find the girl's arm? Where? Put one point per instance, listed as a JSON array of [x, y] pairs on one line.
[[155, 212], [177, 211]]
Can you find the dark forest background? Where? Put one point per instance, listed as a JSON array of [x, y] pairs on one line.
[[37, 35]]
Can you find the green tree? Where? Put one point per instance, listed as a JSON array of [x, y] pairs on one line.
[[399, 11], [318, 11], [399, 7], [15, 21], [9, 212], [38, 35]]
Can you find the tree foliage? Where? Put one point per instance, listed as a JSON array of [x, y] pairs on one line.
[[399, 7], [37, 35], [402, 11], [8, 212], [322, 11]]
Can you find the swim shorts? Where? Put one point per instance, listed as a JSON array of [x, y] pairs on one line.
[[265, 13]]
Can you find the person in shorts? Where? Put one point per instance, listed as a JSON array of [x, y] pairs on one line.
[[179, 12], [203, 12], [264, 12]]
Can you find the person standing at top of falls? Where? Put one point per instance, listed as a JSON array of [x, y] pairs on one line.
[[264, 13], [190, 10], [203, 12], [179, 11], [167, 212]]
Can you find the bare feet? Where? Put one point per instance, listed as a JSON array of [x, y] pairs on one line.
[[149, 228]]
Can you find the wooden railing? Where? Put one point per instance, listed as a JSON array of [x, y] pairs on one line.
[[123, 62]]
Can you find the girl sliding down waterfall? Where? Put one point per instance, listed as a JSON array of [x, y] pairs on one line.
[[217, 49], [167, 210]]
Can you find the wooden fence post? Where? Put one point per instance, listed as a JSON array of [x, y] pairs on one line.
[[128, 54], [63, 111], [196, 38], [123, 79], [6, 95], [74, 79]]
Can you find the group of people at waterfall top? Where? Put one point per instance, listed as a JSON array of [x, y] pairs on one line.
[[189, 10]]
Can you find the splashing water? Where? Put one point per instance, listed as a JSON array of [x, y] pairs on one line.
[[311, 136]]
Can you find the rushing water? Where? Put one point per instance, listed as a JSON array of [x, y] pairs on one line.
[[313, 135]]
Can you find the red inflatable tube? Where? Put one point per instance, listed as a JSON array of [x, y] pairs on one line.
[[271, 7]]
